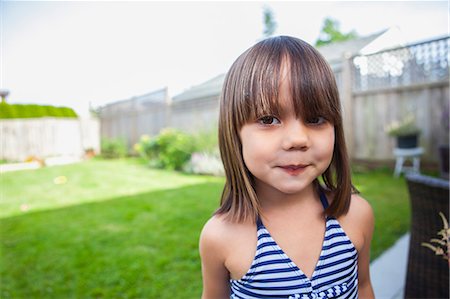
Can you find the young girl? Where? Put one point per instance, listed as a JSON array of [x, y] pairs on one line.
[[290, 224]]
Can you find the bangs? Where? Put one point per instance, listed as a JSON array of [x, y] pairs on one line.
[[313, 87]]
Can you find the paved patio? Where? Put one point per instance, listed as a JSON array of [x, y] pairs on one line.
[[388, 272]]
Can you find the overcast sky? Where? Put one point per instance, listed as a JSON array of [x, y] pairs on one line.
[[76, 53]]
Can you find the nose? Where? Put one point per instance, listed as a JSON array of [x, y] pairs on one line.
[[295, 136]]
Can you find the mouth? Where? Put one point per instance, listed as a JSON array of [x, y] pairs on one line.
[[293, 169]]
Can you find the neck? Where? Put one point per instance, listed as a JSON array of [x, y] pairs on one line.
[[273, 199]]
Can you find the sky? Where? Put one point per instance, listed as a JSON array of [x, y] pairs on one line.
[[85, 53]]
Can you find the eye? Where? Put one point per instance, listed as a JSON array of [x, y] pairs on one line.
[[268, 120], [318, 120]]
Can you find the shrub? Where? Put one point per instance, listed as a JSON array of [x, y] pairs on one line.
[[170, 149], [53, 111], [207, 142], [34, 111], [147, 148], [7, 111], [113, 148], [68, 112], [30, 111]]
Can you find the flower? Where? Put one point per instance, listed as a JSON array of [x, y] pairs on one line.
[[407, 126]]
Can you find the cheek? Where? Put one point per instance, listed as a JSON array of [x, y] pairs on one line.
[[248, 149], [326, 146], [254, 148], [246, 145]]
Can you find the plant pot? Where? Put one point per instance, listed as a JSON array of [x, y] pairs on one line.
[[407, 141], [443, 160]]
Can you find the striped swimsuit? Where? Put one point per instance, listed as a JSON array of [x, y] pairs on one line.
[[274, 275]]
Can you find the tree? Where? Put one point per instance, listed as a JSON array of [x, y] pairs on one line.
[[331, 33], [269, 22]]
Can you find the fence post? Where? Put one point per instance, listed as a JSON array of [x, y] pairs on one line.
[[168, 110], [347, 102]]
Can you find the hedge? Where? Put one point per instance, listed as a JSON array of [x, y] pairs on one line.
[[34, 111]]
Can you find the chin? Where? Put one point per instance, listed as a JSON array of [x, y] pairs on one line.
[[290, 189]]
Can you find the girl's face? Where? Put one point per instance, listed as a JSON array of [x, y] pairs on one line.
[[284, 153]]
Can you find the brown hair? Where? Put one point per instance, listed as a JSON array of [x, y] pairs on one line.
[[250, 90]]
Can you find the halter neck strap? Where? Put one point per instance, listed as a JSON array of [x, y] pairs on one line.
[[323, 199]]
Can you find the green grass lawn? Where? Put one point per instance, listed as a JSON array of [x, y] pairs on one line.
[[389, 199], [117, 229]]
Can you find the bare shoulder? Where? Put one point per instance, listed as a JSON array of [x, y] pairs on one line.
[[214, 232], [360, 208], [218, 232], [227, 249], [360, 214], [214, 252], [227, 239], [358, 223]]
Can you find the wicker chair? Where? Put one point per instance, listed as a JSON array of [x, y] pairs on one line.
[[428, 274]]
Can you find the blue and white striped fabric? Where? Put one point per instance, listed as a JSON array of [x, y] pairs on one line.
[[274, 275]]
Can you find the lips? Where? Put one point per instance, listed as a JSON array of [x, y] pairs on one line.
[[293, 169]]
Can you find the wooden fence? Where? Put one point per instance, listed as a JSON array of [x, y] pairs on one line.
[[373, 110], [375, 90], [384, 87], [150, 113], [48, 137], [132, 118]]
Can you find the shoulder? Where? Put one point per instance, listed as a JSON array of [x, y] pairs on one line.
[[212, 232], [218, 227], [360, 213], [213, 253], [219, 233], [212, 243], [358, 223], [360, 208]]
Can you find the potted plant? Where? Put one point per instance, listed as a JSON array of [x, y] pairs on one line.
[[406, 131], [89, 153]]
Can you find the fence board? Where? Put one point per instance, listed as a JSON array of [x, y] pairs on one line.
[[373, 111], [47, 137]]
